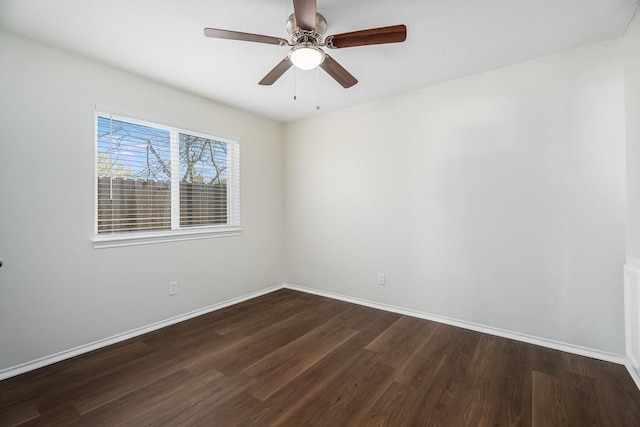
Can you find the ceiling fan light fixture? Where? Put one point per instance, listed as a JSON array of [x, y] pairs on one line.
[[307, 29], [306, 57]]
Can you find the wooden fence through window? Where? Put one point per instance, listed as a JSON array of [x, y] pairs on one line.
[[143, 205]]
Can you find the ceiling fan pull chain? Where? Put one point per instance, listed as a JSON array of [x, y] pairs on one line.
[[295, 84], [317, 88]]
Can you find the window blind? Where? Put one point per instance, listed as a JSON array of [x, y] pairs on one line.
[[153, 178]]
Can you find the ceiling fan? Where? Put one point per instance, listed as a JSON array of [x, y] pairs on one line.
[[307, 30]]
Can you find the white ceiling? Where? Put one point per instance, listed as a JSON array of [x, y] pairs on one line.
[[446, 39]]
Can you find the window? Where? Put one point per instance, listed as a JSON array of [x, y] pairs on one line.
[[157, 183]]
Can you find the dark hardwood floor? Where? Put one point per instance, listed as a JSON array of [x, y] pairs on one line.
[[289, 358]]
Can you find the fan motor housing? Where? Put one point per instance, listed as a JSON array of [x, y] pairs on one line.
[[299, 35]]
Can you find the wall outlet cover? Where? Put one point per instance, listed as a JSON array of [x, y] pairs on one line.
[[173, 288]]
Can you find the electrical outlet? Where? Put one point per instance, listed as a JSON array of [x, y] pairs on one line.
[[381, 279], [173, 288]]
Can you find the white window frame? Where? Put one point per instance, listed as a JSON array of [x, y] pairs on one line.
[[232, 228]]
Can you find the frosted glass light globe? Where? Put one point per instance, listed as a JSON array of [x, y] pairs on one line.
[[306, 57]]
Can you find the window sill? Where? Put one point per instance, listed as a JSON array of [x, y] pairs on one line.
[[133, 239]]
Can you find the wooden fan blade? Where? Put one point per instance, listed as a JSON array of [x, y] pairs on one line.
[[338, 72], [276, 72], [247, 37], [305, 12], [382, 35]]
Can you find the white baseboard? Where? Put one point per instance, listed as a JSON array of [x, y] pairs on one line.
[[569, 348], [634, 374], [54, 358], [556, 345], [632, 317]]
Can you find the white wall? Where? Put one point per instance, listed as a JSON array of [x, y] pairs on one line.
[[632, 99], [632, 279], [56, 291], [497, 199]]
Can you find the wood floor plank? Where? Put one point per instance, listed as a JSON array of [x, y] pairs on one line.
[[177, 336], [327, 308], [289, 399], [205, 401], [398, 343], [488, 357], [369, 322], [403, 403], [450, 387], [230, 413], [280, 367], [261, 345], [110, 356], [206, 361], [425, 361], [22, 389], [548, 407], [256, 321], [479, 407], [387, 410], [347, 398], [108, 389], [18, 414], [63, 415], [136, 374], [617, 400], [141, 401], [581, 397], [510, 381], [289, 358]]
